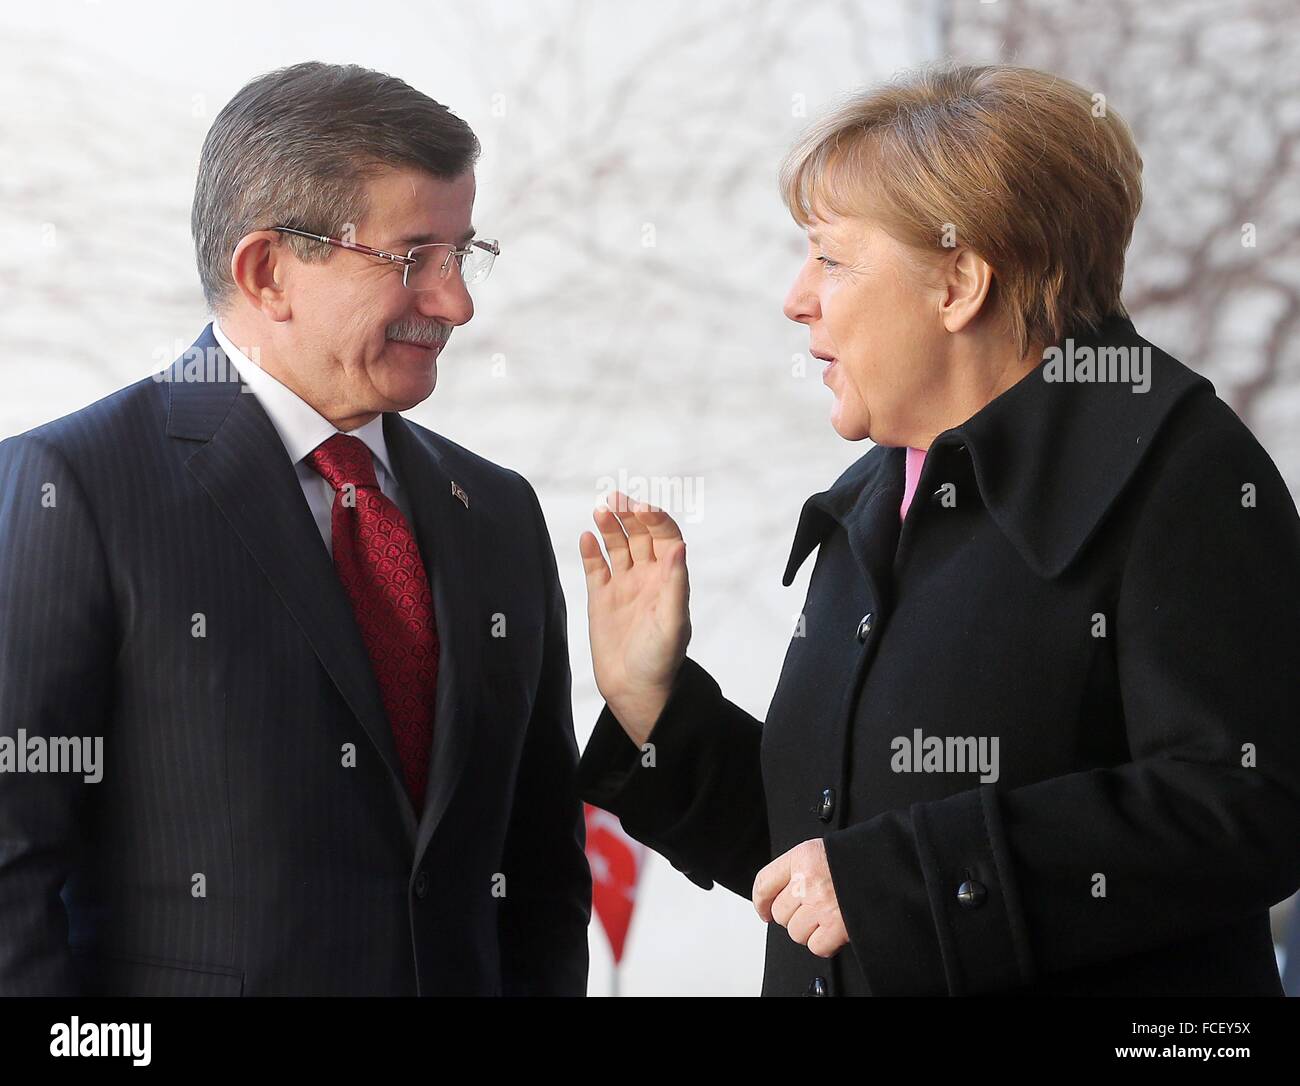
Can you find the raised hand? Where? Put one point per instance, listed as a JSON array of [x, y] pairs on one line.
[[637, 609]]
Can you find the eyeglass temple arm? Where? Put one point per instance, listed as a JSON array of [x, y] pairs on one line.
[[338, 242]]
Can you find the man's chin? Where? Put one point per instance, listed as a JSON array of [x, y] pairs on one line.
[[408, 382], [403, 394], [408, 398]]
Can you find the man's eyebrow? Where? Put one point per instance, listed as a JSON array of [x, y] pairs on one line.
[[431, 239]]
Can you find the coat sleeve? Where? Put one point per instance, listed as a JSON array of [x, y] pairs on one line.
[[547, 905], [694, 793], [1200, 829], [57, 636]]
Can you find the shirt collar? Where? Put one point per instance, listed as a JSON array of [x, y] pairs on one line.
[[1049, 457], [300, 426]]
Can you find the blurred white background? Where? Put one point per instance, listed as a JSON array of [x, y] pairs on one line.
[[633, 323]]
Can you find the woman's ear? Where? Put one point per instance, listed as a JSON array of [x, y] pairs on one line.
[[968, 278]]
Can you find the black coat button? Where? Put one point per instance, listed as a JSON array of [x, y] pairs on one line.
[[827, 806], [817, 987], [422, 884], [864, 627], [972, 894]]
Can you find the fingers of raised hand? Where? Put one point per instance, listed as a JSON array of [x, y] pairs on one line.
[[661, 527], [611, 531], [656, 521], [629, 515], [641, 528]]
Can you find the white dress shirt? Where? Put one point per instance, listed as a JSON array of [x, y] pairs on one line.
[[302, 428]]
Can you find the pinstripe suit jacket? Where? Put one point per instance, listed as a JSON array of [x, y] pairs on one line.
[[163, 586]]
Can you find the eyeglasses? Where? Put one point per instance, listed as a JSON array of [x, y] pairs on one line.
[[425, 266]]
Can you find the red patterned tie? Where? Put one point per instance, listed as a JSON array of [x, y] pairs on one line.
[[378, 561]]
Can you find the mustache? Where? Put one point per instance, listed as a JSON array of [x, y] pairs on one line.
[[408, 332]]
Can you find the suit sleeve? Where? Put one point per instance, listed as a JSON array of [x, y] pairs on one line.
[[57, 638], [694, 794], [1199, 830], [547, 907]]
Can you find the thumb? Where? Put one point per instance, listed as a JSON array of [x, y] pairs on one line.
[[593, 562]]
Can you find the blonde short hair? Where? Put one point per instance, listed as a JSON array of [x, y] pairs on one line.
[[1029, 170]]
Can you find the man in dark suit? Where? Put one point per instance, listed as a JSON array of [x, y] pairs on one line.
[[323, 650]]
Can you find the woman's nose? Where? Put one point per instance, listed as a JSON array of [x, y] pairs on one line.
[[801, 303]]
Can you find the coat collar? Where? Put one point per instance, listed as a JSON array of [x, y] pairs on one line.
[[1050, 457]]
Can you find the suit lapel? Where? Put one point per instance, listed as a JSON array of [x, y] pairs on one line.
[[446, 526], [242, 464]]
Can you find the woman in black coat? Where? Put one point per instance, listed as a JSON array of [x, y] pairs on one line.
[[1038, 730]]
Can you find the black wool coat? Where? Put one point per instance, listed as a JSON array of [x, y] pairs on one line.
[[1104, 581]]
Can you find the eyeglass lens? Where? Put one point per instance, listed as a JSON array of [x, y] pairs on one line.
[[433, 263]]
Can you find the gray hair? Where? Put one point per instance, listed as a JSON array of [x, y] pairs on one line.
[[296, 146]]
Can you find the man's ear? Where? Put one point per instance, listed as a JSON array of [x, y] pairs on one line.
[[968, 278], [259, 267]]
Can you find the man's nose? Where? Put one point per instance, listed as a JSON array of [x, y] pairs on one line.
[[449, 302]]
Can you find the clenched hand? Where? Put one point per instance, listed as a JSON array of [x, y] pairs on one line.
[[796, 891]]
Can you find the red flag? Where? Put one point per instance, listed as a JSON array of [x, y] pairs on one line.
[[616, 861]]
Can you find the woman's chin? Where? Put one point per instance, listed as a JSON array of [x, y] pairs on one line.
[[846, 425]]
